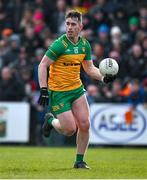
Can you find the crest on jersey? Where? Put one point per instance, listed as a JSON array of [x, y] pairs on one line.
[[76, 51]]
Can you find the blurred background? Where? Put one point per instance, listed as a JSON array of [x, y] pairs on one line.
[[115, 28]]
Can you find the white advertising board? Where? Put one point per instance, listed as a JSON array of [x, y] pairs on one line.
[[14, 122], [106, 130]]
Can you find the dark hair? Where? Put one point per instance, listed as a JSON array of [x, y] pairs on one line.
[[74, 14]]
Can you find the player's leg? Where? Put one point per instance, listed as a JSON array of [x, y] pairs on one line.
[[80, 110], [60, 104], [64, 123]]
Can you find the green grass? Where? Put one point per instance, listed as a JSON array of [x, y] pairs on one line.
[[35, 162]]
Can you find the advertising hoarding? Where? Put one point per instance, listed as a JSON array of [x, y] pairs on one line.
[[108, 125], [14, 122]]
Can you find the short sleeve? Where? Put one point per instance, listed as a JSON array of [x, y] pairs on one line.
[[55, 50], [88, 51]]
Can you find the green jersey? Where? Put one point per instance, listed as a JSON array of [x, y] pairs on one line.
[[67, 57]]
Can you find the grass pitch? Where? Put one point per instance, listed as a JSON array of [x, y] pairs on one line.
[[37, 162]]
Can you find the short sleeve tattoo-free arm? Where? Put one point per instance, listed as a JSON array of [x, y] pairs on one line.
[[88, 51]]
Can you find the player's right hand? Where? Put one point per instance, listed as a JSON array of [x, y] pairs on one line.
[[109, 78], [44, 98]]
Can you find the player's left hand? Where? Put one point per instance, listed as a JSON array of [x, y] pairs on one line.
[[109, 78], [44, 98]]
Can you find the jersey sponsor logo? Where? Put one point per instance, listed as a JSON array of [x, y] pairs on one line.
[[71, 64]]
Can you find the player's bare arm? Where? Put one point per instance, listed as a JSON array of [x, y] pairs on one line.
[[92, 71], [42, 70]]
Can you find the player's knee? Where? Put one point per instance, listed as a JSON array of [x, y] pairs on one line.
[[70, 131], [84, 126]]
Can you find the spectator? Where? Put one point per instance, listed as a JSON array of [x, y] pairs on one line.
[[30, 40], [98, 53], [103, 37], [6, 33], [126, 88], [30, 85], [144, 46], [5, 53], [26, 19], [99, 4], [58, 17], [38, 56], [116, 88], [87, 30], [136, 63], [120, 19], [22, 61], [13, 54], [38, 21], [118, 40], [143, 23], [114, 54], [136, 96], [93, 94], [11, 89], [143, 11], [4, 20], [133, 28], [99, 17]]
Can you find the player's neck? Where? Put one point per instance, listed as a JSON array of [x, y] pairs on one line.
[[74, 40]]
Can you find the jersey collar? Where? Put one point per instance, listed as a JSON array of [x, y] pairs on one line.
[[75, 44]]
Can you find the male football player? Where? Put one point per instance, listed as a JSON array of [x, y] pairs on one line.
[[64, 90]]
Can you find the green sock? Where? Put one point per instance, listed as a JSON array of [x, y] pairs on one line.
[[79, 157], [50, 120]]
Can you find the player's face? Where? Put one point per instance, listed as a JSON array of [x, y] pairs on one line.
[[73, 27]]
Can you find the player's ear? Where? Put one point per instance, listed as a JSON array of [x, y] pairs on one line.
[[81, 27]]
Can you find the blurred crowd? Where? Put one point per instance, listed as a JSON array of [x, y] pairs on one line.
[[114, 28]]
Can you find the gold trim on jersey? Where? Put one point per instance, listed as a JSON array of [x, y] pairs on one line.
[[53, 52], [64, 43]]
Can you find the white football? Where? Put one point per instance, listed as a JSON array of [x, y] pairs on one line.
[[108, 66]]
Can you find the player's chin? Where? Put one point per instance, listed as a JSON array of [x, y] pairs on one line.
[[70, 35]]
